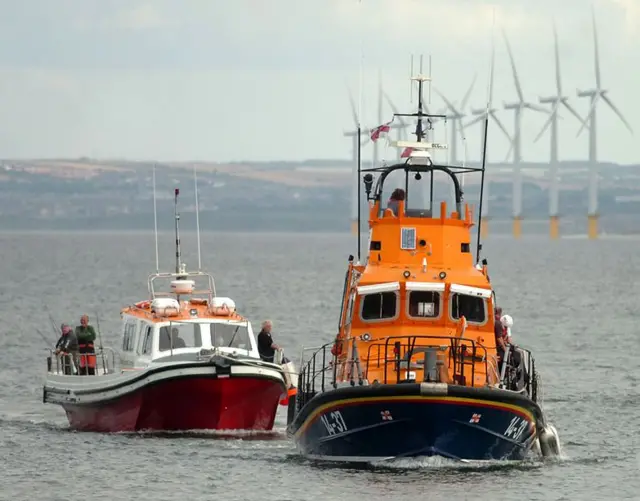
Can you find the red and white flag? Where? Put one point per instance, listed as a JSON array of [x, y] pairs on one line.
[[407, 151], [380, 129]]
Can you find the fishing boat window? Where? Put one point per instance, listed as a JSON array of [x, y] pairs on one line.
[[129, 339], [178, 335], [472, 307], [424, 304], [230, 335], [379, 306], [147, 342]]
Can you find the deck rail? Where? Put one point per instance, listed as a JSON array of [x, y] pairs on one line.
[[66, 364], [404, 356]]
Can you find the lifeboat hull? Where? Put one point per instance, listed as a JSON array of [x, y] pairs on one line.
[[175, 397], [384, 422]]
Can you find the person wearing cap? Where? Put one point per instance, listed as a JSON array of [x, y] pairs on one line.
[[67, 349], [86, 335]]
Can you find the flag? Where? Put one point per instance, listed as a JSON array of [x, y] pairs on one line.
[[406, 152], [384, 128]]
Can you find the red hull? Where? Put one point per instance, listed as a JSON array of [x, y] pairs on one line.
[[197, 403]]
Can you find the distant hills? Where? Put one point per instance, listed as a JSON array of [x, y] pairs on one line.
[[312, 195]]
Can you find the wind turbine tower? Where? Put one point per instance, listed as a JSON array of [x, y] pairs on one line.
[[516, 143], [595, 95], [480, 116], [556, 101]]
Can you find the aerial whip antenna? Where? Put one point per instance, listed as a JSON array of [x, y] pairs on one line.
[[359, 159], [484, 145], [155, 218], [195, 182], [177, 218]]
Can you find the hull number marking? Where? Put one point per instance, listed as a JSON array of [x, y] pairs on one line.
[[334, 422], [516, 428]]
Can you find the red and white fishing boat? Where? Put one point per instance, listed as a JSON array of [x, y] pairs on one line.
[[187, 361]]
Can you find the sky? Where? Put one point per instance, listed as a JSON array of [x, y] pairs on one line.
[[256, 80]]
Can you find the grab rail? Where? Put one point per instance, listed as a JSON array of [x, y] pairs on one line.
[[464, 355], [69, 364]]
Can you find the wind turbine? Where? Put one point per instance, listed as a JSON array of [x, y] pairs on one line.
[[595, 95], [456, 117], [556, 101], [518, 107], [480, 115]]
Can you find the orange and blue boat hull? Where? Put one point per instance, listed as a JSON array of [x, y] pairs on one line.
[[370, 423]]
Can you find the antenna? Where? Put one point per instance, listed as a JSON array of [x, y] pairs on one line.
[[177, 217], [359, 159], [430, 75], [411, 80], [195, 183], [155, 218], [484, 145]]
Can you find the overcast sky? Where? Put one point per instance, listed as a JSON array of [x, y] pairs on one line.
[[222, 80]]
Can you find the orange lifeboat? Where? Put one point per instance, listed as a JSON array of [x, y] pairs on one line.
[[414, 370]]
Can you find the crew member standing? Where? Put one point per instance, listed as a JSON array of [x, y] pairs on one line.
[[86, 336]]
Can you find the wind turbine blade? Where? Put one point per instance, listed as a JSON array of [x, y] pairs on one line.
[[393, 107], [535, 107], [499, 123], [474, 121], [493, 58], [354, 114], [447, 102], [586, 119], [557, 54], [463, 104], [513, 68], [506, 157], [595, 46], [572, 110], [617, 112], [547, 123]]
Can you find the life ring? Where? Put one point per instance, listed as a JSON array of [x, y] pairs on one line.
[[143, 304]]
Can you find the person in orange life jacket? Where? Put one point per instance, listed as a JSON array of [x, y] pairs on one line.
[[396, 196], [266, 347], [67, 348], [86, 336]]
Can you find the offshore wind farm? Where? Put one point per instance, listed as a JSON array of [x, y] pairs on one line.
[[547, 106]]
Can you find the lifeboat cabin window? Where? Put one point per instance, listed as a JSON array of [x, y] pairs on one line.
[[230, 335], [424, 304], [472, 307], [175, 336], [379, 306]]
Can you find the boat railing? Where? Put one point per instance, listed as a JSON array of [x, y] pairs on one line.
[[396, 355], [104, 360], [320, 372], [518, 372]]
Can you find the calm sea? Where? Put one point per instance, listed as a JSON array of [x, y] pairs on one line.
[[574, 302]]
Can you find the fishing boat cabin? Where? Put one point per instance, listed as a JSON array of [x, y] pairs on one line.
[[180, 324]]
